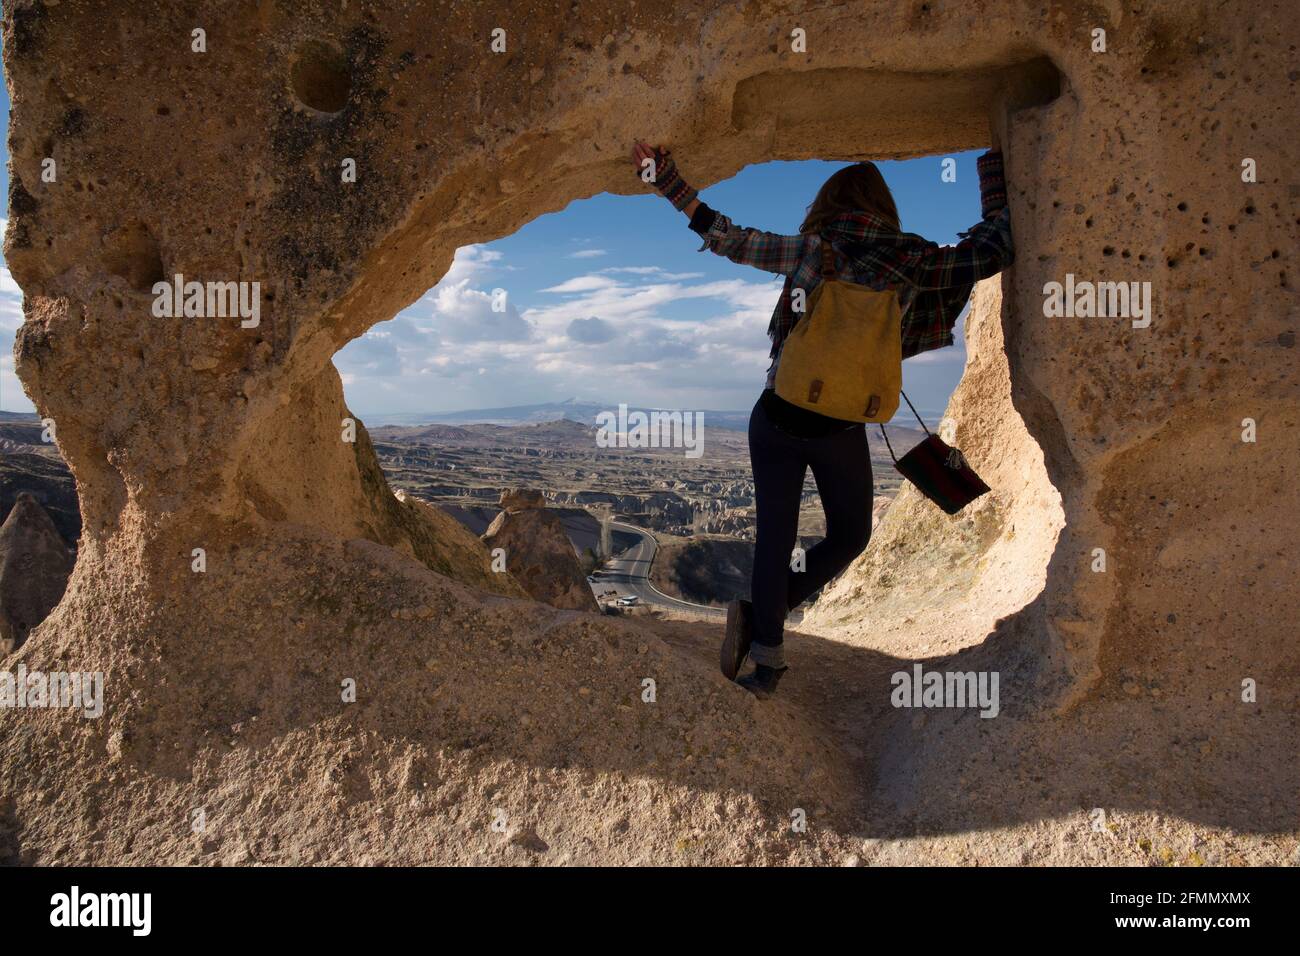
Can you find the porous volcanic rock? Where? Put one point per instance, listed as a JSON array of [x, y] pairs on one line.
[[1166, 159], [34, 569], [440, 542]]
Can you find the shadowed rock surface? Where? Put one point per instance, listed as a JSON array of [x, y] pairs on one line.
[[704, 569], [47, 480]]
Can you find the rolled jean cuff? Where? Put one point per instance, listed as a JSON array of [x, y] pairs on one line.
[[769, 655]]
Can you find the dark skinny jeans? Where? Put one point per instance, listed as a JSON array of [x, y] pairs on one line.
[[841, 466]]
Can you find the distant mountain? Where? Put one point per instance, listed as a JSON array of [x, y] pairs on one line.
[[575, 437], [557, 432], [571, 409], [479, 425]]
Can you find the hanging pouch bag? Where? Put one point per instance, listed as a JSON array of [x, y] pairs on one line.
[[939, 471]]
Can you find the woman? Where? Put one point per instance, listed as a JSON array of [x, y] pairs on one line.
[[854, 211]]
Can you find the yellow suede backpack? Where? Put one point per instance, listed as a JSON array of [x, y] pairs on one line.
[[844, 358]]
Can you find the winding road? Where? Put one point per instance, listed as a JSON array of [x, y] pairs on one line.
[[628, 573]]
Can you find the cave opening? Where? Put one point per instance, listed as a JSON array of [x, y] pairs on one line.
[[691, 370], [602, 329]]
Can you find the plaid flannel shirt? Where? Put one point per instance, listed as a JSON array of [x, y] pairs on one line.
[[933, 282]]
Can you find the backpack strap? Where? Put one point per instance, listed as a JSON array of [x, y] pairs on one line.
[[828, 258]]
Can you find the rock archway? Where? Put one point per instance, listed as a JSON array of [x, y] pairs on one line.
[[222, 160]]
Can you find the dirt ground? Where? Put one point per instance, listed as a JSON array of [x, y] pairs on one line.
[[842, 686]]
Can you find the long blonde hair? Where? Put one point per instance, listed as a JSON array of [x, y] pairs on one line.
[[856, 188]]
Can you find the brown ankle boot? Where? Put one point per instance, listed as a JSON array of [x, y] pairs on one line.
[[740, 633]]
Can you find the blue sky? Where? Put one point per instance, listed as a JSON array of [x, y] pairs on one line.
[[608, 301], [12, 398]]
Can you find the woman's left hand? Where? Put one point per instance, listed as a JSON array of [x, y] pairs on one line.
[[640, 153], [666, 180]]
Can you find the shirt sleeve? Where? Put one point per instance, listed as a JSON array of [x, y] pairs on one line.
[[984, 250], [768, 251], [993, 189]]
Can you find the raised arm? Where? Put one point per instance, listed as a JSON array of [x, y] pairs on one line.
[[984, 250], [768, 251]]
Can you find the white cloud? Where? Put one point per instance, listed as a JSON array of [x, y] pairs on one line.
[[948, 356], [585, 283], [587, 254], [462, 314], [638, 334], [456, 332], [630, 333], [12, 396], [471, 260], [652, 271]]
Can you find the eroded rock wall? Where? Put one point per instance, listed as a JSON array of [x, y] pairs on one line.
[[226, 165]]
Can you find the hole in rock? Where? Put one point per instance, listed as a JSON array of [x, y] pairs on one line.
[[132, 253], [321, 77]]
